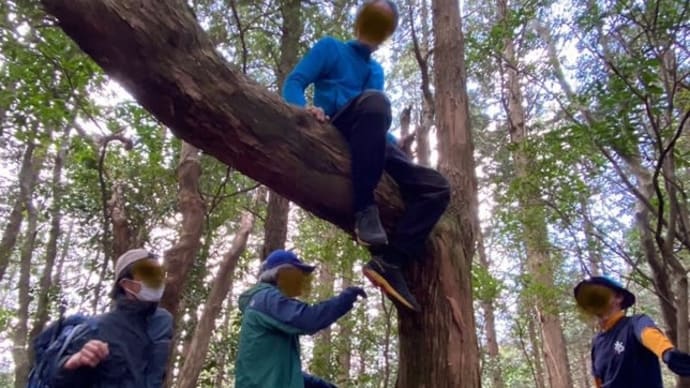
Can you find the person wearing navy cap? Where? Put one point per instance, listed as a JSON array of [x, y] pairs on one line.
[[626, 351], [273, 319]]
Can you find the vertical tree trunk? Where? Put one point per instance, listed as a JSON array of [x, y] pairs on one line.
[[19, 335], [536, 343], [275, 228], [46, 285], [535, 233], [344, 338], [196, 355], [180, 258], [321, 364], [422, 54], [593, 249], [14, 221], [223, 354], [490, 323], [442, 280]]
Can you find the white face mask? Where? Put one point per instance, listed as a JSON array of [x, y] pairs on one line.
[[146, 293]]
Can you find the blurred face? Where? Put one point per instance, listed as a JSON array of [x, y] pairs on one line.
[[148, 280], [599, 301], [375, 23], [294, 282]]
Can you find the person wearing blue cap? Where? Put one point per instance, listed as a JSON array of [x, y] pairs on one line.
[[626, 351], [348, 91], [272, 320]]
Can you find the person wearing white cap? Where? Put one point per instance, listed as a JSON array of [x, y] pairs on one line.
[[130, 344]]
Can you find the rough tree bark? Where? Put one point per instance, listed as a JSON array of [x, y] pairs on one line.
[[180, 258], [160, 54], [276, 225], [533, 217], [442, 280], [196, 355]]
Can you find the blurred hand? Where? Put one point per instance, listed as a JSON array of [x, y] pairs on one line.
[[678, 362], [318, 113], [357, 291], [91, 354]]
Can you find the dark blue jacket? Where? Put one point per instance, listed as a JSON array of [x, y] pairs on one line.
[[619, 358], [138, 335]]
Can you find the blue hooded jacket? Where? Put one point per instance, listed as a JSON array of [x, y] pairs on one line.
[[340, 71]]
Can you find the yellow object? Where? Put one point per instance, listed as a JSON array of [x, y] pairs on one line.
[[149, 272], [294, 282], [375, 23], [594, 299], [654, 340]]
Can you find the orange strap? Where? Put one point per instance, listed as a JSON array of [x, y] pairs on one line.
[[597, 382], [654, 340]]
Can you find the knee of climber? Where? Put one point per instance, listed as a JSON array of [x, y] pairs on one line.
[[374, 101]]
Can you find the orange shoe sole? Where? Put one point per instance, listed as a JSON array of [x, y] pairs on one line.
[[381, 283]]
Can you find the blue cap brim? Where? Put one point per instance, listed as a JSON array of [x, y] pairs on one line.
[[628, 297], [304, 267]]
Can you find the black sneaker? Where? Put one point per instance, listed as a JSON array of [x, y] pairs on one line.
[[389, 278], [368, 228]]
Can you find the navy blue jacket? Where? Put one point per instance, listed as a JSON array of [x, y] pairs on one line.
[[619, 358], [138, 335]]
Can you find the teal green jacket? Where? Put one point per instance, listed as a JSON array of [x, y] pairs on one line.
[[269, 351]]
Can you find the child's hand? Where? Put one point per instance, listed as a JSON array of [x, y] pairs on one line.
[[318, 113]]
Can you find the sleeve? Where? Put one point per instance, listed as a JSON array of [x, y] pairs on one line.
[[296, 317], [650, 336], [160, 331], [84, 376], [315, 382], [376, 80], [312, 66]]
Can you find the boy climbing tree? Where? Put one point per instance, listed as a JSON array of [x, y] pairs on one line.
[[348, 91]]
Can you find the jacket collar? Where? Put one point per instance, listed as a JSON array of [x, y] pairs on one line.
[[361, 49], [611, 321], [135, 308]]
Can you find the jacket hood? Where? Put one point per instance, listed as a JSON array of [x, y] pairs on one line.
[[246, 296]]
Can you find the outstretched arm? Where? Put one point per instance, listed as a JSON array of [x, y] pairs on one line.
[[296, 317], [653, 339]]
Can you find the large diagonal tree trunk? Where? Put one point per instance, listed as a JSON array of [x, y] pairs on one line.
[[160, 54]]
